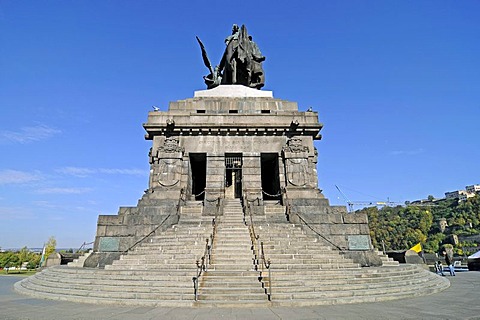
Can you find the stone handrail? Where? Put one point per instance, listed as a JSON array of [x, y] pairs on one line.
[[84, 244]]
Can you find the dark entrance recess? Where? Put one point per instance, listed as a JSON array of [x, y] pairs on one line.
[[270, 176], [233, 175], [198, 163]]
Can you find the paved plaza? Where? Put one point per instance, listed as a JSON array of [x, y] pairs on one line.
[[460, 301]]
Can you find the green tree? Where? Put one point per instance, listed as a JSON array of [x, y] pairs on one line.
[[402, 227], [8, 259], [23, 256], [50, 246]]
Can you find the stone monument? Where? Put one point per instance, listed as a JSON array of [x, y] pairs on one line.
[[233, 141], [232, 169]]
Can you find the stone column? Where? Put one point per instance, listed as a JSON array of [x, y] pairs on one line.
[[187, 177], [252, 177], [215, 181], [281, 172]]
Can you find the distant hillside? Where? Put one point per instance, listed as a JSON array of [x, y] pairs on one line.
[[401, 228]]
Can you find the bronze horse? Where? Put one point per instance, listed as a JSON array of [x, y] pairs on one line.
[[241, 62]]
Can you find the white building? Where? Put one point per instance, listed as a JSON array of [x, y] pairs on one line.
[[455, 194], [464, 197], [461, 195], [473, 188]]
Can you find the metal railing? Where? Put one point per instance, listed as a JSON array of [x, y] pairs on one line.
[[84, 244], [260, 262], [181, 199], [203, 263]]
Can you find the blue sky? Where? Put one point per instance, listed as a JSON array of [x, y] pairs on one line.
[[396, 85]]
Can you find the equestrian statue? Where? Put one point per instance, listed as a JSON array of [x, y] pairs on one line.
[[241, 62]]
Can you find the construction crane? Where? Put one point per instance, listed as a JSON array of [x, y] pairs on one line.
[[350, 204]]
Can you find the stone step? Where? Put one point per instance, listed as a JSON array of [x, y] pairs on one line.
[[200, 240], [222, 256], [120, 294], [325, 266], [234, 281], [81, 260], [188, 237], [228, 232], [169, 287], [171, 243], [144, 266], [171, 263], [100, 273], [299, 256], [274, 210], [172, 256], [308, 262], [228, 245], [343, 284], [296, 249], [232, 304], [188, 209], [165, 252], [232, 256], [117, 280], [233, 268], [354, 276], [234, 296], [19, 287], [321, 294]]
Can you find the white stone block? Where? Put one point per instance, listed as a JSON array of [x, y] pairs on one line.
[[233, 91]]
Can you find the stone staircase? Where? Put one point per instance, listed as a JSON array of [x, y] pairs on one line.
[[191, 213], [158, 272], [386, 260], [231, 279], [304, 271], [81, 260]]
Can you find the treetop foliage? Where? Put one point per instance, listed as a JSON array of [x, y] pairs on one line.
[[400, 228]]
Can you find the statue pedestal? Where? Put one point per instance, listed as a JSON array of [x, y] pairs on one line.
[[233, 142], [233, 91]]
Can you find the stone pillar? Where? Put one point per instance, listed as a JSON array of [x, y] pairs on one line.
[[187, 177], [215, 181], [252, 178], [281, 172]]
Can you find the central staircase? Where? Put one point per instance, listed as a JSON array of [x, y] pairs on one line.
[[303, 270], [231, 278]]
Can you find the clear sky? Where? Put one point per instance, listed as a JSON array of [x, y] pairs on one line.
[[396, 85]]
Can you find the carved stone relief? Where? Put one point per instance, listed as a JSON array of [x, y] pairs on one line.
[[166, 163], [295, 145], [297, 166], [171, 145], [297, 171]]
